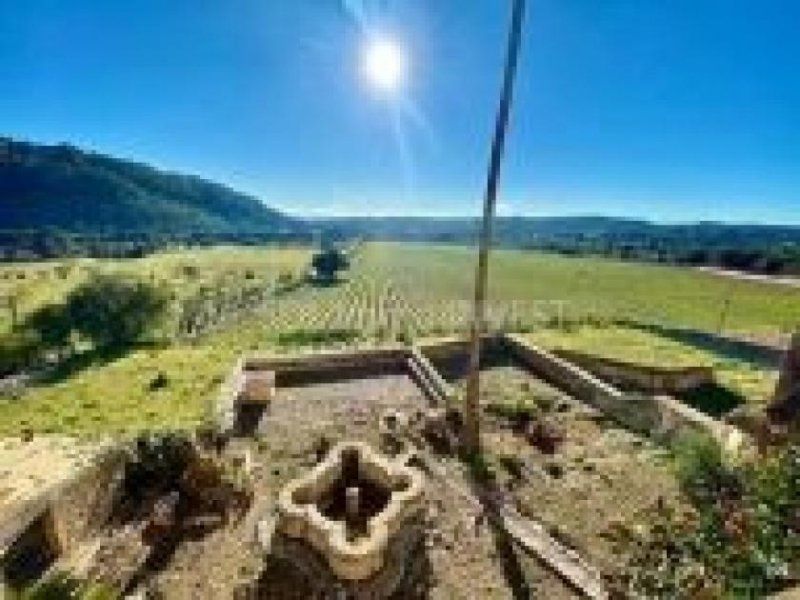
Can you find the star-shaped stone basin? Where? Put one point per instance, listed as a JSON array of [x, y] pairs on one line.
[[350, 506]]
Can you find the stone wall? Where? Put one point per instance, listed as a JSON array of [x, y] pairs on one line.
[[74, 508], [785, 405], [299, 571], [642, 378], [650, 410], [85, 504], [226, 407], [658, 416]]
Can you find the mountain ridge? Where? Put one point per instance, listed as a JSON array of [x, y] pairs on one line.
[[64, 188]]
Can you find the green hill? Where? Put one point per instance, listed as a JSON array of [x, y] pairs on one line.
[[61, 187]]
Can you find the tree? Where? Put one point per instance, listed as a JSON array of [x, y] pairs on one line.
[[328, 263], [53, 326], [115, 312]]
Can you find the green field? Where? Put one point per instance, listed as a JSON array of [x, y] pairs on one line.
[[393, 292], [184, 271]]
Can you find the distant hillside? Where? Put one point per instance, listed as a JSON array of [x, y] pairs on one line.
[[522, 231], [515, 231], [66, 189], [756, 248]]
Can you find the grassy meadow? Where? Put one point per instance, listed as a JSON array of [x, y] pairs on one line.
[[184, 271], [393, 292]]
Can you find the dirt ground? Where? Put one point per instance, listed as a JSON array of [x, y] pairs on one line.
[[466, 560], [598, 475]]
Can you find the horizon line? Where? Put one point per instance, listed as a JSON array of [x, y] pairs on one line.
[[464, 217]]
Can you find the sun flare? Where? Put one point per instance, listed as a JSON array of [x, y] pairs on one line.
[[385, 64]]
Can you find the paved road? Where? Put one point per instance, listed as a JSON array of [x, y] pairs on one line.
[[787, 281]]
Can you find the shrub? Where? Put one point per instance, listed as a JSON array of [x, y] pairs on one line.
[[741, 537], [18, 351], [318, 337], [114, 312], [52, 325], [328, 263], [62, 271], [285, 278], [159, 382], [701, 470]]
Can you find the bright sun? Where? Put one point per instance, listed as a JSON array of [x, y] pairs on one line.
[[384, 64]]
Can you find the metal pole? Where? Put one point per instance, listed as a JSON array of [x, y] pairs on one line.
[[472, 409]]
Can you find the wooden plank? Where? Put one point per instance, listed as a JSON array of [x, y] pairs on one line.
[[532, 537]]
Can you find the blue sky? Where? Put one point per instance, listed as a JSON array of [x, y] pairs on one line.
[[666, 109]]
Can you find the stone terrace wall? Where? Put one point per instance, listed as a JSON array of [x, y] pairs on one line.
[[86, 503], [649, 412], [660, 417], [323, 367], [76, 506], [632, 376]]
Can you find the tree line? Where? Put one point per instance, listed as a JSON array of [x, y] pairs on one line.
[[767, 249], [47, 244]]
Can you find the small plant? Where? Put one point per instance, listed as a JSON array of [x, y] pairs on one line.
[[702, 472], [659, 559], [404, 337], [62, 271], [481, 467], [520, 413], [513, 464], [159, 382], [62, 586]]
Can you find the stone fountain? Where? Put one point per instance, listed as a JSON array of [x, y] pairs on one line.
[[353, 525]]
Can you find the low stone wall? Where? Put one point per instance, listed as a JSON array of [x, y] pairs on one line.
[[631, 376], [86, 504], [660, 417], [564, 375], [325, 367], [439, 392], [650, 411], [326, 360], [227, 400], [74, 509], [295, 570]]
